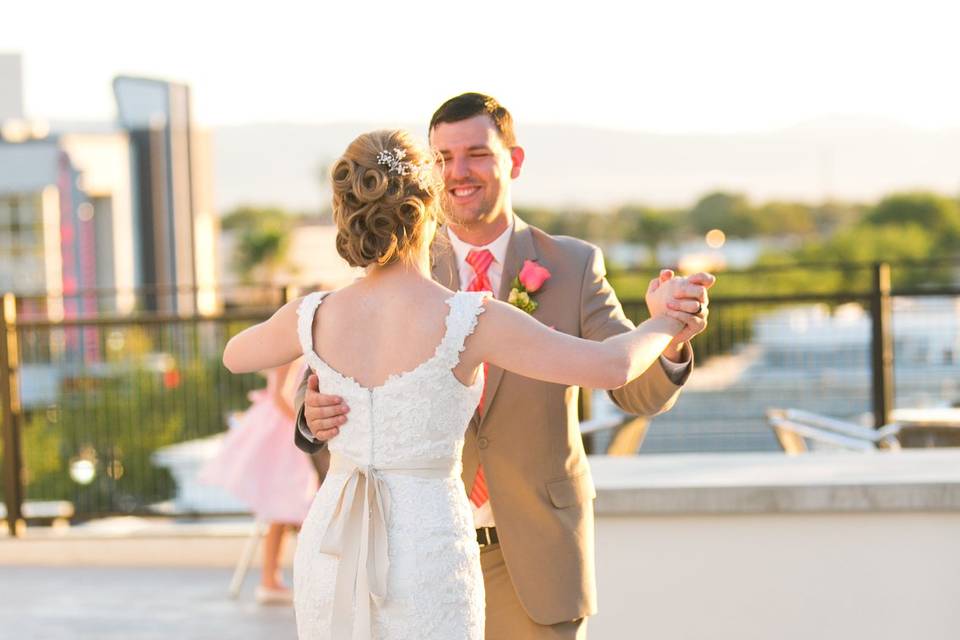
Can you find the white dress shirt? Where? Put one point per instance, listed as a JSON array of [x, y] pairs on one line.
[[483, 515], [497, 248]]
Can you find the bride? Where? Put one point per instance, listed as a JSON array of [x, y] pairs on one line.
[[388, 549]]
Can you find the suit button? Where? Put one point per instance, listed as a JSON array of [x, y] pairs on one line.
[[482, 443]]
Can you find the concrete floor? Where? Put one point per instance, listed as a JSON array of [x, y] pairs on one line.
[[132, 603]]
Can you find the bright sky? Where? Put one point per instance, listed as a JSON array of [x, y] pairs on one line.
[[667, 66]]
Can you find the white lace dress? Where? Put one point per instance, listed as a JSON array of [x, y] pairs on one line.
[[388, 549]]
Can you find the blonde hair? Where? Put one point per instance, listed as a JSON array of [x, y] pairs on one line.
[[380, 214]]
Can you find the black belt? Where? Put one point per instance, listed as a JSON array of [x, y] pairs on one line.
[[487, 536]]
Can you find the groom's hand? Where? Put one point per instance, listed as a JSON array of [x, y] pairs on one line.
[[324, 414]]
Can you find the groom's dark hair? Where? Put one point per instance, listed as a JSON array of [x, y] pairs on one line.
[[469, 105]]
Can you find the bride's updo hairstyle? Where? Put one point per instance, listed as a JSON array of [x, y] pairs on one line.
[[385, 194]]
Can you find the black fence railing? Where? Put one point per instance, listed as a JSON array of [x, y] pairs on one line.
[[95, 409], [90, 404]]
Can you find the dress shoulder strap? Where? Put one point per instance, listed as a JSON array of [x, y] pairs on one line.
[[465, 310], [305, 315]]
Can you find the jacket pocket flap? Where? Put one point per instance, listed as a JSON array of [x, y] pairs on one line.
[[570, 491]]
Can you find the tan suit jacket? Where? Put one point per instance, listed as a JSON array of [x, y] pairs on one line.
[[528, 438]]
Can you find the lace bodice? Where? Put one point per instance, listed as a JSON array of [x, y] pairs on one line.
[[420, 414]]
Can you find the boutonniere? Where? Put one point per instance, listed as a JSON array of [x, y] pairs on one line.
[[528, 282]]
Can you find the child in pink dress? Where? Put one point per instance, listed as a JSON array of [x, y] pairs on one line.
[[259, 463]]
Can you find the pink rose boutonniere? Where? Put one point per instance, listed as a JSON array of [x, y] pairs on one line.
[[531, 278]]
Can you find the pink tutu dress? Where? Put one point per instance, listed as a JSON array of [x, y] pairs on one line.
[[259, 463]]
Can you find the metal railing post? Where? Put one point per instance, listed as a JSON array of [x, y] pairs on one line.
[[10, 399], [881, 344]]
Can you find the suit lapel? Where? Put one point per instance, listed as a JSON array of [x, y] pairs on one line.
[[519, 249], [445, 270]]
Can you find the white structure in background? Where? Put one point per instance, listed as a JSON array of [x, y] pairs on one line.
[[184, 460], [313, 259], [696, 255], [770, 547]]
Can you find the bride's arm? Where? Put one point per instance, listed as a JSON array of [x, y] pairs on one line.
[[512, 340], [271, 343]]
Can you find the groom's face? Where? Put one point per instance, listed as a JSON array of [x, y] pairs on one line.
[[477, 169]]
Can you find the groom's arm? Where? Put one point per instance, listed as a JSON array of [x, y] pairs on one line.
[[657, 389]]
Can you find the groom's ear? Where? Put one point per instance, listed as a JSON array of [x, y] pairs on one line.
[[516, 158]]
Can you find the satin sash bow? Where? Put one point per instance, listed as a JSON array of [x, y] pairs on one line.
[[357, 534]]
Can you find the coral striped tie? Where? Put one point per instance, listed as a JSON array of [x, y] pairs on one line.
[[480, 262]]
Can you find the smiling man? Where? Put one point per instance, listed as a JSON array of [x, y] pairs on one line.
[[524, 466], [480, 158]]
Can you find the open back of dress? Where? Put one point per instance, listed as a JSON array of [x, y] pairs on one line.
[[388, 549]]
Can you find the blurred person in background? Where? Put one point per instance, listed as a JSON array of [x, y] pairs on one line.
[[260, 466]]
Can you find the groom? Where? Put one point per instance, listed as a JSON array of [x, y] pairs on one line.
[[524, 464]]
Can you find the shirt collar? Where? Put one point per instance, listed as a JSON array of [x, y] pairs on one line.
[[497, 247]]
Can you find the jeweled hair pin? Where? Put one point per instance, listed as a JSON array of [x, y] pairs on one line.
[[395, 161]]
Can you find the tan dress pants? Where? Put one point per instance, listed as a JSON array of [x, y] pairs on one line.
[[506, 618]]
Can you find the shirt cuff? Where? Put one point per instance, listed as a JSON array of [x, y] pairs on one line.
[[676, 371], [305, 432]]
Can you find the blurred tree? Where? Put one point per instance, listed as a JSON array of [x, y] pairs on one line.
[[649, 227], [540, 217], [247, 217], [935, 213], [833, 216], [785, 218], [588, 225], [263, 238], [729, 212], [864, 244], [260, 252]]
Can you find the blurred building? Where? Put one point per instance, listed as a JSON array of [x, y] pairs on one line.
[[64, 227], [11, 81], [174, 227], [107, 218]]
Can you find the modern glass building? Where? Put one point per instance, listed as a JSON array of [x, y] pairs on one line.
[[174, 226]]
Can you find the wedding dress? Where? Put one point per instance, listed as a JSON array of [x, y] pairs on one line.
[[388, 549]]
